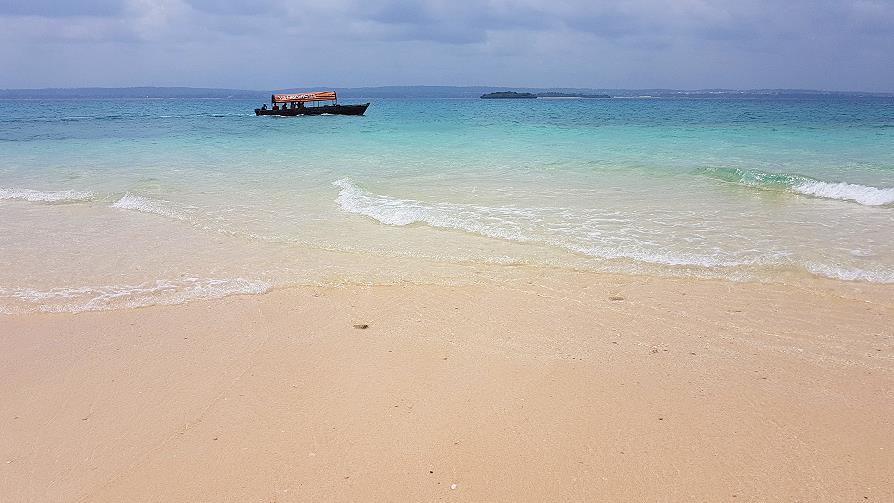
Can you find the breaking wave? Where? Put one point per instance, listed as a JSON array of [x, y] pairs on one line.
[[578, 231], [850, 273], [160, 292], [153, 206], [867, 196], [395, 211], [38, 196], [842, 191], [526, 225]]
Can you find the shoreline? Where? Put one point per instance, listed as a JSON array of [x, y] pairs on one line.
[[356, 269], [548, 385]]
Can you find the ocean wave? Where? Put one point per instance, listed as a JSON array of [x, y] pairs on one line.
[[38, 196], [491, 222], [678, 259], [160, 292], [518, 224], [850, 273], [192, 216], [865, 195], [577, 231], [152, 206]]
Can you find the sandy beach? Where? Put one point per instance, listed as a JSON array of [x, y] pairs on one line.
[[547, 386]]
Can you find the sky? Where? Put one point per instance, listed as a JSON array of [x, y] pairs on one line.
[[273, 44]]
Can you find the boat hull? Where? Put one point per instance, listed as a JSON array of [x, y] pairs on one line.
[[321, 110]]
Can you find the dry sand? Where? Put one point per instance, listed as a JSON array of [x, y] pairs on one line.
[[572, 388]]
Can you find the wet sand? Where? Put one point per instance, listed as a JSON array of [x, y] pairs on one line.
[[548, 387]]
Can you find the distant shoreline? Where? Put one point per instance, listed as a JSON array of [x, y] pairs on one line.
[[512, 95]]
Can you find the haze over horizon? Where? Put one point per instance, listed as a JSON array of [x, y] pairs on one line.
[[272, 44]]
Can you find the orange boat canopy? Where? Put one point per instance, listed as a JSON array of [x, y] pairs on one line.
[[303, 97]]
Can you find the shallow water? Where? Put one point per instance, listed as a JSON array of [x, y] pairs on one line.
[[134, 202]]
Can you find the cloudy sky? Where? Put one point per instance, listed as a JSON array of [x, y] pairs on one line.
[[265, 44]]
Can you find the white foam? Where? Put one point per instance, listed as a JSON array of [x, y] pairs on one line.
[[386, 210], [148, 205], [38, 196], [526, 225], [516, 224], [499, 223], [159, 292], [677, 259], [865, 195], [850, 273], [188, 214]]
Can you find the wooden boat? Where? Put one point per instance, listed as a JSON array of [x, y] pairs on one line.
[[323, 102]]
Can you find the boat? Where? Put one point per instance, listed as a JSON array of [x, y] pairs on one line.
[[322, 102]]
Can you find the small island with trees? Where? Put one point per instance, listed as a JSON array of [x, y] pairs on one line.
[[513, 95]]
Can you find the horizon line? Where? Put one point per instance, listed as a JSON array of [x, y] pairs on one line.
[[669, 89]]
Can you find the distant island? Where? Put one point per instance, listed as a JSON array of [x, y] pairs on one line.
[[513, 95], [507, 95]]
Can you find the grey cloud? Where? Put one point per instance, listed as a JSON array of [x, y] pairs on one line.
[[417, 32], [613, 24], [434, 21], [51, 8], [638, 43], [392, 12], [236, 7]]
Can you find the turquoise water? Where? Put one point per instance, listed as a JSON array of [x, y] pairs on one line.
[[133, 202]]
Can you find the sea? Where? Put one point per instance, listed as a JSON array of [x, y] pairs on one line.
[[120, 203]]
